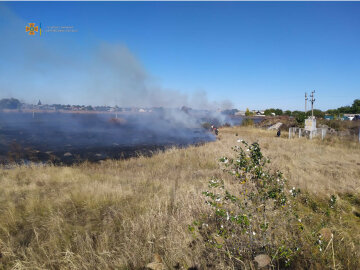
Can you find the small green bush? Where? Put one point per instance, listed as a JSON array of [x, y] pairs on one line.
[[243, 220]]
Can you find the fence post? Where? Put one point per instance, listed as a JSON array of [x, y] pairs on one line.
[[299, 132], [289, 133], [322, 134], [311, 133]]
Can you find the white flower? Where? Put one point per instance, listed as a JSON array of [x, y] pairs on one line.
[[254, 233], [299, 219]]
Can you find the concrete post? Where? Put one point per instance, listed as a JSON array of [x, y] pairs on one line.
[[322, 134], [311, 133], [299, 132], [289, 133]]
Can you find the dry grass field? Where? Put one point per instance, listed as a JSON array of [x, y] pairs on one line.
[[120, 214]]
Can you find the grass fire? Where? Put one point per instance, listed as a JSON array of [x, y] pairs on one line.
[[196, 135], [74, 137]]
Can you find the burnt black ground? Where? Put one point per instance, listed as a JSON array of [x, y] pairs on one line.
[[67, 138]]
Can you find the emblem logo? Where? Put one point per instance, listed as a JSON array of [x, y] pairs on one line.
[[32, 29]]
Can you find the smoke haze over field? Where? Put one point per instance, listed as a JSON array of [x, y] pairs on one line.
[[107, 74], [124, 81]]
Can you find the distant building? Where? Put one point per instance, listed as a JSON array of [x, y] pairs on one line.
[[39, 103], [329, 117], [349, 116]]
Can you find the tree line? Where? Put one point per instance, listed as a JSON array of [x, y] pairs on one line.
[[10, 103], [353, 109], [13, 103]]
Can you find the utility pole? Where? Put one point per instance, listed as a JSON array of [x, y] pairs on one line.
[[312, 103], [306, 98]]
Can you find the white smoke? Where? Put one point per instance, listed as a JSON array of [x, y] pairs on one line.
[[108, 75]]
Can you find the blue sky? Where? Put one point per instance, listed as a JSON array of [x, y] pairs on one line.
[[251, 54]]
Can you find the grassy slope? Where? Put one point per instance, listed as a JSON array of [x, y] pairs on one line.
[[118, 214]]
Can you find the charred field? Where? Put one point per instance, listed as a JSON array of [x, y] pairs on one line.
[[68, 138]]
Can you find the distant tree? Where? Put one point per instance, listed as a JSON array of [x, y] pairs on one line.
[[345, 109], [268, 112], [300, 118], [275, 111], [248, 112], [278, 112], [287, 112], [295, 113], [332, 112], [10, 103], [356, 106], [317, 113]]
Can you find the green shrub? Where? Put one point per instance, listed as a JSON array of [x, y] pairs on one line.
[[244, 218]]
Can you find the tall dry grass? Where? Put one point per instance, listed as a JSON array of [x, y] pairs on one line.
[[118, 214]]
